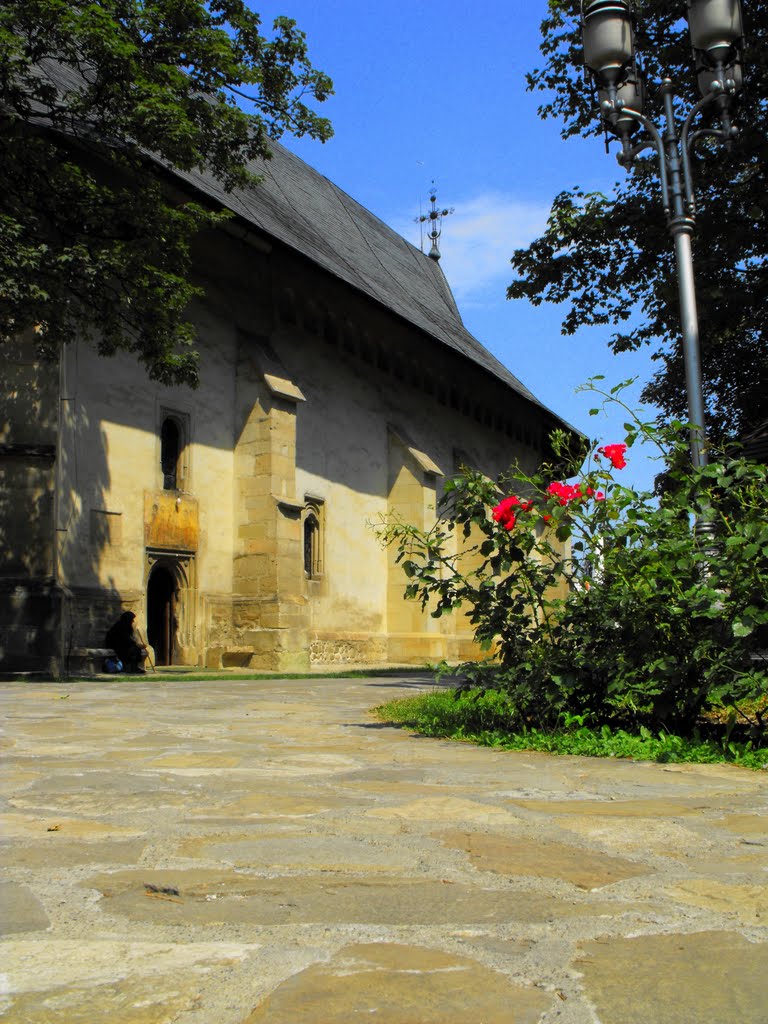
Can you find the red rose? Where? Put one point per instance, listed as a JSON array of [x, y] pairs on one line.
[[506, 511], [614, 452]]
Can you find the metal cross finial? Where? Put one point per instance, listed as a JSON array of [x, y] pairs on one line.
[[435, 221]]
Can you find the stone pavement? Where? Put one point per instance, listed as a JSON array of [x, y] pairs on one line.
[[265, 852]]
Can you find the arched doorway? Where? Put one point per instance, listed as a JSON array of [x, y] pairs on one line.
[[161, 614]]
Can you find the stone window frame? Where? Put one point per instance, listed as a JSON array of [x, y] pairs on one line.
[[182, 565], [313, 537], [181, 421]]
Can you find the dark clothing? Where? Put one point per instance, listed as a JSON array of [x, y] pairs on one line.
[[122, 639]]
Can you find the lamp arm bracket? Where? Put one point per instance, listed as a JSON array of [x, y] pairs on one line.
[[701, 133], [657, 144], [626, 156], [694, 111], [687, 142]]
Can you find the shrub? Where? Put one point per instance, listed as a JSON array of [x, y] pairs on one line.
[[594, 596]]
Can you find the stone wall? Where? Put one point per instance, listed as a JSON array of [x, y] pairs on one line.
[[329, 649], [313, 401], [32, 603], [377, 431]]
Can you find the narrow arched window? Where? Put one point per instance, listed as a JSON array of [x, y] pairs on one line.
[[170, 452], [311, 545]]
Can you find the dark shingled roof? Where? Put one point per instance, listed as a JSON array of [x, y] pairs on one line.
[[301, 208], [304, 210]]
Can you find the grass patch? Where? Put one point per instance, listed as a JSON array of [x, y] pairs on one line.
[[485, 720], [230, 675]]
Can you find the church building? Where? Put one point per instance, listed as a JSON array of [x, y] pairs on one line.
[[338, 385]]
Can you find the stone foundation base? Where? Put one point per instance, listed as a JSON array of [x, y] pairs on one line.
[[380, 650], [347, 649], [52, 631], [33, 617]]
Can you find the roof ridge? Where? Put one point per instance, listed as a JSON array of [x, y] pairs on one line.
[[303, 209]]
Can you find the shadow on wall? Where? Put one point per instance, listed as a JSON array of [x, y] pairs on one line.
[[95, 602], [39, 503], [30, 605], [86, 528]]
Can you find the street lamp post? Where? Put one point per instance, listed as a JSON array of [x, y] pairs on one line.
[[609, 53]]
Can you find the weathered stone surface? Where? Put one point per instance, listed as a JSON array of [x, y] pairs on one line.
[[394, 984], [749, 903], [617, 808], [705, 977], [372, 778], [207, 897], [126, 982], [711, 772], [542, 859], [332, 853], [11, 785], [445, 808], [67, 854], [253, 799], [750, 862], [51, 826], [273, 805], [201, 760], [83, 793], [630, 835], [747, 825], [159, 1000], [20, 910]]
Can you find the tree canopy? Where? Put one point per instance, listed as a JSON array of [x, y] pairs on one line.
[[95, 99], [610, 257]]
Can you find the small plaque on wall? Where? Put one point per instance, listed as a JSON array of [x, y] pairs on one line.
[[171, 521]]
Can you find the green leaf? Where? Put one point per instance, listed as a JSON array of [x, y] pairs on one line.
[[606, 262], [741, 629], [104, 251]]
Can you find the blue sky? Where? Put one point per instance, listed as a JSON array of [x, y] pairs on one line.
[[436, 91]]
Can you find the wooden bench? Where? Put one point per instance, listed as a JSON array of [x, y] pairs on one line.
[[89, 660]]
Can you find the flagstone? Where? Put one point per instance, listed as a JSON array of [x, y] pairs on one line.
[[637, 835], [737, 777], [444, 808], [15, 826], [747, 825], [271, 804], [207, 897], [542, 858], [310, 828], [51, 850], [20, 910], [749, 903], [394, 984], [329, 853], [750, 863], [660, 808], [97, 779], [13, 782], [705, 977], [99, 791], [197, 760], [129, 1001], [82, 982]]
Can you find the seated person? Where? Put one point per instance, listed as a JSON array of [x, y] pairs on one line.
[[124, 642]]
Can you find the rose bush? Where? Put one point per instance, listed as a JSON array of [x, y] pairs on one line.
[[592, 596]]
